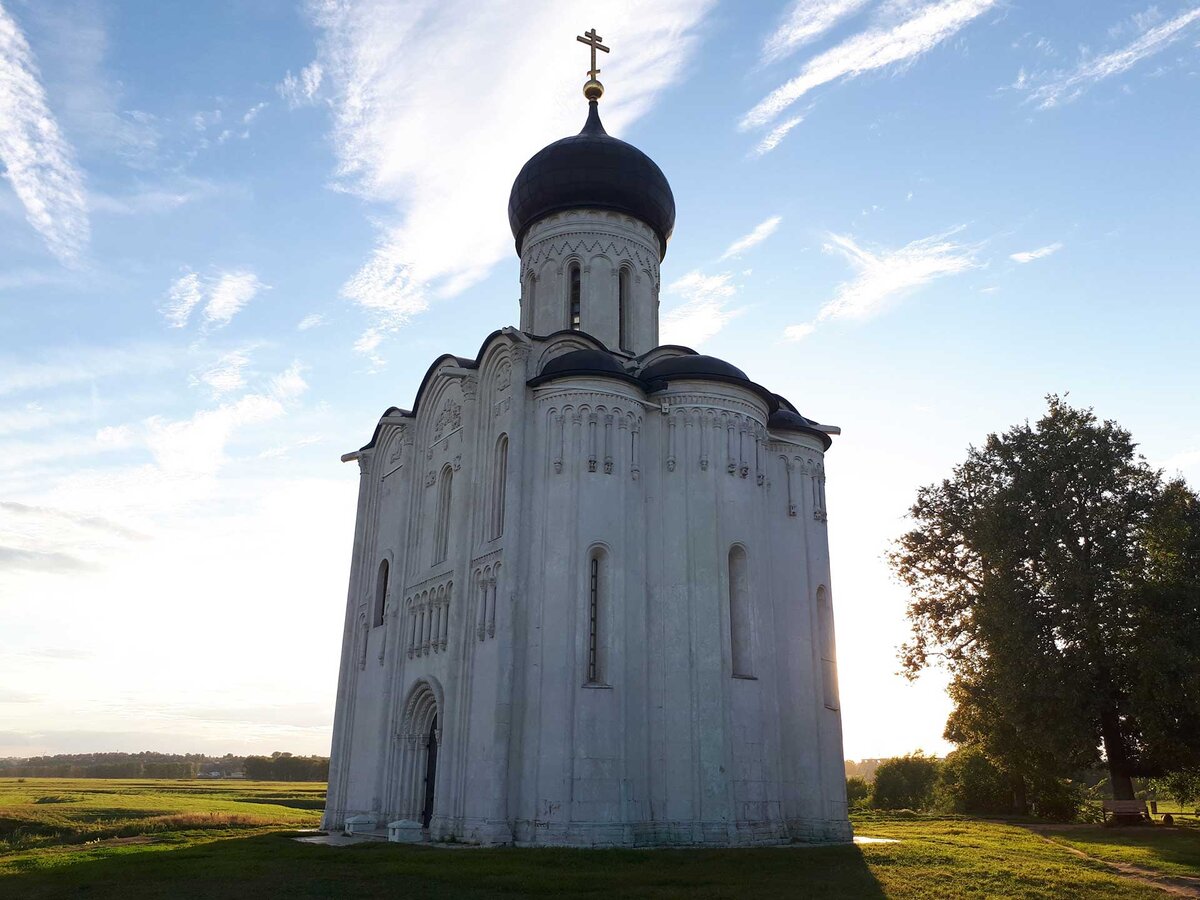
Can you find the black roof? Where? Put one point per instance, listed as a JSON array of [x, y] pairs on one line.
[[698, 364], [591, 170], [599, 361], [583, 361]]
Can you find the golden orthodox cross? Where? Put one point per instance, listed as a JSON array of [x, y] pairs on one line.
[[592, 40]]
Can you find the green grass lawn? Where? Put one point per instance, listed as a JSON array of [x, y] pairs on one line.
[[183, 839], [1171, 851]]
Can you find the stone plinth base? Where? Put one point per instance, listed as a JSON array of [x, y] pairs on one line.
[[405, 831], [358, 825]]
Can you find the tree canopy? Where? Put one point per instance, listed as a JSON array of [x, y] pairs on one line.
[[1057, 577]]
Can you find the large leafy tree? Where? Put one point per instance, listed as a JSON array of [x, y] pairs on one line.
[[1057, 577]]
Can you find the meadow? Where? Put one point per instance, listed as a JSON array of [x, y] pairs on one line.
[[183, 839]]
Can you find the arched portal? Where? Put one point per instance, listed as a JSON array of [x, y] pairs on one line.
[[431, 751], [420, 737]]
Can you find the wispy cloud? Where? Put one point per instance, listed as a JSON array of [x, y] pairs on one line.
[[226, 375], [252, 113], [73, 43], [775, 136], [799, 332], [1184, 461], [402, 105], [1028, 256], [98, 523], [761, 232], [43, 561], [301, 90], [1066, 86], [229, 295], [312, 320], [927, 26], [151, 200], [224, 295], [38, 161], [196, 446], [705, 309], [35, 417], [886, 275], [73, 365], [804, 21], [184, 295]]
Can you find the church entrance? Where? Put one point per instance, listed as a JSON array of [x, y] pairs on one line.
[[431, 751], [419, 737]]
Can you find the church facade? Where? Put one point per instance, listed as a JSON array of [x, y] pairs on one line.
[[589, 599]]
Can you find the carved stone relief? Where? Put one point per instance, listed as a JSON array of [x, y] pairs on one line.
[[450, 419]]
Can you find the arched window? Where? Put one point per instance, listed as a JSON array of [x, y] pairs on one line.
[[828, 652], [623, 308], [441, 528], [576, 295], [499, 486], [739, 613], [596, 601], [381, 586]]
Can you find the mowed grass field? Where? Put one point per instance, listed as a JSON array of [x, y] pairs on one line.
[[184, 839]]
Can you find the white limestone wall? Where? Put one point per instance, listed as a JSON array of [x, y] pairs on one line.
[[814, 774], [711, 732], [669, 747], [602, 243], [580, 757]]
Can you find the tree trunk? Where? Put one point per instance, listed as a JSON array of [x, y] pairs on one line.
[[1020, 799], [1118, 764]]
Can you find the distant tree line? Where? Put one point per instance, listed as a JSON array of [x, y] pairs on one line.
[[966, 781], [285, 767], [276, 767]]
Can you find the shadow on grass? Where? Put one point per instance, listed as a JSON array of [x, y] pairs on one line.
[[274, 865]]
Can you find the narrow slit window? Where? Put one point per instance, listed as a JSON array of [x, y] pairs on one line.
[[499, 486], [595, 673], [576, 294], [739, 614], [828, 651], [381, 586], [441, 529], [623, 308]]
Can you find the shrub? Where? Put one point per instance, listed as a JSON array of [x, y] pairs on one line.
[[905, 782], [858, 791], [1056, 799], [969, 782], [1183, 787]]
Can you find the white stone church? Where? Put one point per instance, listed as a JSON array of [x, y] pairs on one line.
[[590, 596]]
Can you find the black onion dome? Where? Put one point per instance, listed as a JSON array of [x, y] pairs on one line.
[[691, 366], [591, 170]]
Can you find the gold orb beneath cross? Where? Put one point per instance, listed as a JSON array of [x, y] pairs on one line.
[[593, 89]]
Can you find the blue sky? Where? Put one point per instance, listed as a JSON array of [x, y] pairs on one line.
[[232, 234]]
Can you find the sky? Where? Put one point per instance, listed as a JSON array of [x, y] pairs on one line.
[[232, 234]]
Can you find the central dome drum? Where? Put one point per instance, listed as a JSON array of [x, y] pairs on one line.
[[593, 170]]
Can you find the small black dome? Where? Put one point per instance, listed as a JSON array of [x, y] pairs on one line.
[[591, 170], [785, 418], [582, 362], [789, 420], [698, 365]]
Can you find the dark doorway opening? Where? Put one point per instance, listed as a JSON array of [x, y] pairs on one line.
[[431, 751]]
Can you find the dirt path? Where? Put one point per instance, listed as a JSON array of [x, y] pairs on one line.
[[1179, 885]]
